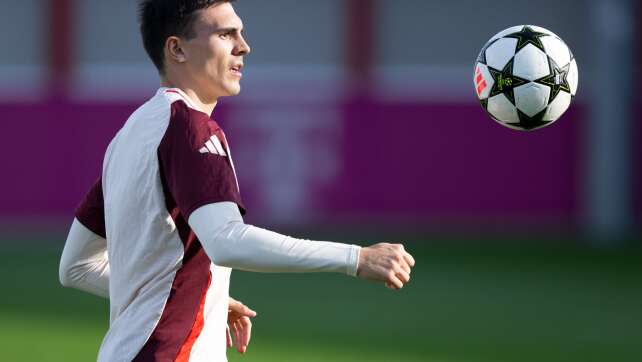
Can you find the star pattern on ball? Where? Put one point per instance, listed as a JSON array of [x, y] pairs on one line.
[[505, 82], [528, 36], [529, 123], [484, 103], [557, 80]]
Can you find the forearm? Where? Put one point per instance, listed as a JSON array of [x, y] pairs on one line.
[[229, 242], [84, 264], [250, 248]]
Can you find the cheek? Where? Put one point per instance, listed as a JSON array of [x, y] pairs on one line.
[[217, 60]]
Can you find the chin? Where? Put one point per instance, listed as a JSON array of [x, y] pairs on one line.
[[232, 91]]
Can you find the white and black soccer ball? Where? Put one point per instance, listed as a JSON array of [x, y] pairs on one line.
[[525, 77]]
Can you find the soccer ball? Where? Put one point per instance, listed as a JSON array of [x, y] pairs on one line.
[[525, 77]]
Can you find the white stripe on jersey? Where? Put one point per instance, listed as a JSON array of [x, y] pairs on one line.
[[218, 145], [210, 147], [213, 145]]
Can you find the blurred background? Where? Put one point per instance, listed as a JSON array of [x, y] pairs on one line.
[[357, 122]]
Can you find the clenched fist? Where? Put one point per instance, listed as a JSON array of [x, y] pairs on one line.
[[388, 263]]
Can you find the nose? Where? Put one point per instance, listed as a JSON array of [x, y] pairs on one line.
[[242, 48]]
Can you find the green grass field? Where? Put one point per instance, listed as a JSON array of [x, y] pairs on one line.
[[464, 303]]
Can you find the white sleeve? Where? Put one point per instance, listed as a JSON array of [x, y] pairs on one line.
[[84, 264], [231, 243]]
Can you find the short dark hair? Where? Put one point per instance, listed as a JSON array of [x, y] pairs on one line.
[[160, 19]]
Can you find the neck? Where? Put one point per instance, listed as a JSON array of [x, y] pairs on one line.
[[203, 103]]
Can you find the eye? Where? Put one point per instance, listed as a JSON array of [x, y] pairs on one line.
[[226, 35]]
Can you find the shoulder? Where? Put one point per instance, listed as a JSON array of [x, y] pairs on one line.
[[186, 124]]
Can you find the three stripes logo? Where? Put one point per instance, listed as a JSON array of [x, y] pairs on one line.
[[480, 82], [213, 145]]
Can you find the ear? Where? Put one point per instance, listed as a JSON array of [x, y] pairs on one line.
[[174, 50]]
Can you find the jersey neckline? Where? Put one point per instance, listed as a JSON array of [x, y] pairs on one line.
[[184, 97]]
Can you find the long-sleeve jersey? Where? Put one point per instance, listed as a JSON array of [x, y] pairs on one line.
[[160, 230]]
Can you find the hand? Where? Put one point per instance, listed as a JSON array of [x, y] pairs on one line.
[[388, 263], [238, 322]]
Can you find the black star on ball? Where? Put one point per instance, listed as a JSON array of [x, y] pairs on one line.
[[528, 36], [530, 123], [557, 80], [505, 82]]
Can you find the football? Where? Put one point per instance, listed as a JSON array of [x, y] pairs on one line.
[[525, 77]]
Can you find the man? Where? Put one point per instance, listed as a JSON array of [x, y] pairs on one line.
[[160, 230]]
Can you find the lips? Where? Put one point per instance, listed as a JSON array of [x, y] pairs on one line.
[[236, 69]]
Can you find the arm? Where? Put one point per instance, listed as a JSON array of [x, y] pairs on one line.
[[229, 242], [84, 264]]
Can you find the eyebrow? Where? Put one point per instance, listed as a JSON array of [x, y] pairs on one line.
[[231, 29]]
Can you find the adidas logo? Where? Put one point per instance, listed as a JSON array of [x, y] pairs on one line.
[[213, 145]]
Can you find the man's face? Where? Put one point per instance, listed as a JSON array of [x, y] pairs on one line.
[[214, 56]]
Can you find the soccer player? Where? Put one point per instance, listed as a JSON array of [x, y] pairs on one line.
[[160, 231]]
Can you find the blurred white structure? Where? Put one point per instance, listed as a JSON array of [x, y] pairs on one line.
[[609, 140]]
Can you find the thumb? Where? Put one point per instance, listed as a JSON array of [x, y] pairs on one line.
[[246, 311], [241, 308]]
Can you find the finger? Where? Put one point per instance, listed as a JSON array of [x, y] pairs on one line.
[[248, 312], [240, 308], [409, 259], [246, 333], [246, 328], [241, 333], [240, 346], [237, 336], [245, 310], [395, 282], [229, 337], [403, 276], [404, 265]]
